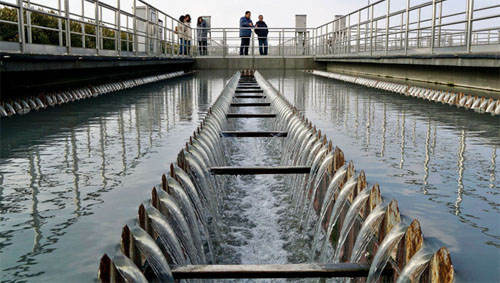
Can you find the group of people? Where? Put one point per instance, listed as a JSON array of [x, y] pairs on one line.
[[260, 29], [184, 31]]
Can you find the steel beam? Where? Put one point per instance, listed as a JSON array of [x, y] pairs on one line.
[[251, 134], [228, 170], [250, 115], [314, 270]]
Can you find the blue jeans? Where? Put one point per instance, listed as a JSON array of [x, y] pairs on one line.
[[263, 46], [181, 47]]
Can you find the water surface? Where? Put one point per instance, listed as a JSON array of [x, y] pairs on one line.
[[439, 162], [73, 175]]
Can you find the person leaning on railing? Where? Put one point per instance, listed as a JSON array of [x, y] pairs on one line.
[[179, 30], [262, 32], [187, 34], [201, 34], [246, 25]]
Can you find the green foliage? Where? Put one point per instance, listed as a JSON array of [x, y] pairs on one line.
[[9, 32]]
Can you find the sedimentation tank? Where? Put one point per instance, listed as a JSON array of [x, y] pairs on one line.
[[355, 233]]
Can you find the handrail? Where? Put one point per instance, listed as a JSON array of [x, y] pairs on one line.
[[149, 32]]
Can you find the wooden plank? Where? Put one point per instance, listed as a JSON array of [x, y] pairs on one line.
[[314, 270], [248, 91], [250, 115], [228, 170], [249, 96], [250, 104], [253, 134]]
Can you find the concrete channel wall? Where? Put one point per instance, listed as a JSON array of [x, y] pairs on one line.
[[461, 74], [25, 75], [256, 63]]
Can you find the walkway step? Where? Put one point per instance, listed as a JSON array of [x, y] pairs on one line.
[[228, 170], [251, 134], [249, 91], [250, 104], [249, 96], [250, 115], [304, 270]]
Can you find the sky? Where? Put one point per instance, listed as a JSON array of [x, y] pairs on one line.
[[277, 13]]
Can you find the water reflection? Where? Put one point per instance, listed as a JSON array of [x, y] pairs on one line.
[[445, 176], [56, 165]]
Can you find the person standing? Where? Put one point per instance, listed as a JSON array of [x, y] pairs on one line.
[[262, 32], [179, 30], [187, 34], [201, 34], [246, 25]]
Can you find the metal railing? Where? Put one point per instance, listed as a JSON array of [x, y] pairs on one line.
[[226, 42], [433, 27], [87, 27]]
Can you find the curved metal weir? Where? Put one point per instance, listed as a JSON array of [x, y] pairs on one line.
[[365, 235]]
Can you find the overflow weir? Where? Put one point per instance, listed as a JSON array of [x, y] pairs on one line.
[[355, 233]]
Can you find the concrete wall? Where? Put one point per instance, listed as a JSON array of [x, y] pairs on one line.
[[483, 81], [24, 75], [256, 63]]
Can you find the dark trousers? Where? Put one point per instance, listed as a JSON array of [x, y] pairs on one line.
[[245, 42], [263, 46], [187, 47], [202, 47]]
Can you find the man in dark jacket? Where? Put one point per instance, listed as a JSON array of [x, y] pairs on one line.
[[262, 31], [245, 32]]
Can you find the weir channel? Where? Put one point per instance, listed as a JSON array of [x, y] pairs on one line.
[[160, 114], [177, 232]]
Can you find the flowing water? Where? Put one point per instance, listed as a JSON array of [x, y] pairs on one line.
[[440, 163], [73, 176]]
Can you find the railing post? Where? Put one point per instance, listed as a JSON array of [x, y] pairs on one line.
[[401, 32], [83, 25], [348, 34], [407, 25], [253, 42], [118, 23], [371, 29], [433, 24], [439, 22], [468, 32], [59, 22], [387, 26], [68, 27], [20, 26], [224, 43], [136, 37], [283, 41], [147, 40], [28, 20], [358, 42], [418, 27], [97, 28]]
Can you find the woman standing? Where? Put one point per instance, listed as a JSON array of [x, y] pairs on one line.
[[179, 30], [201, 34], [187, 34]]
